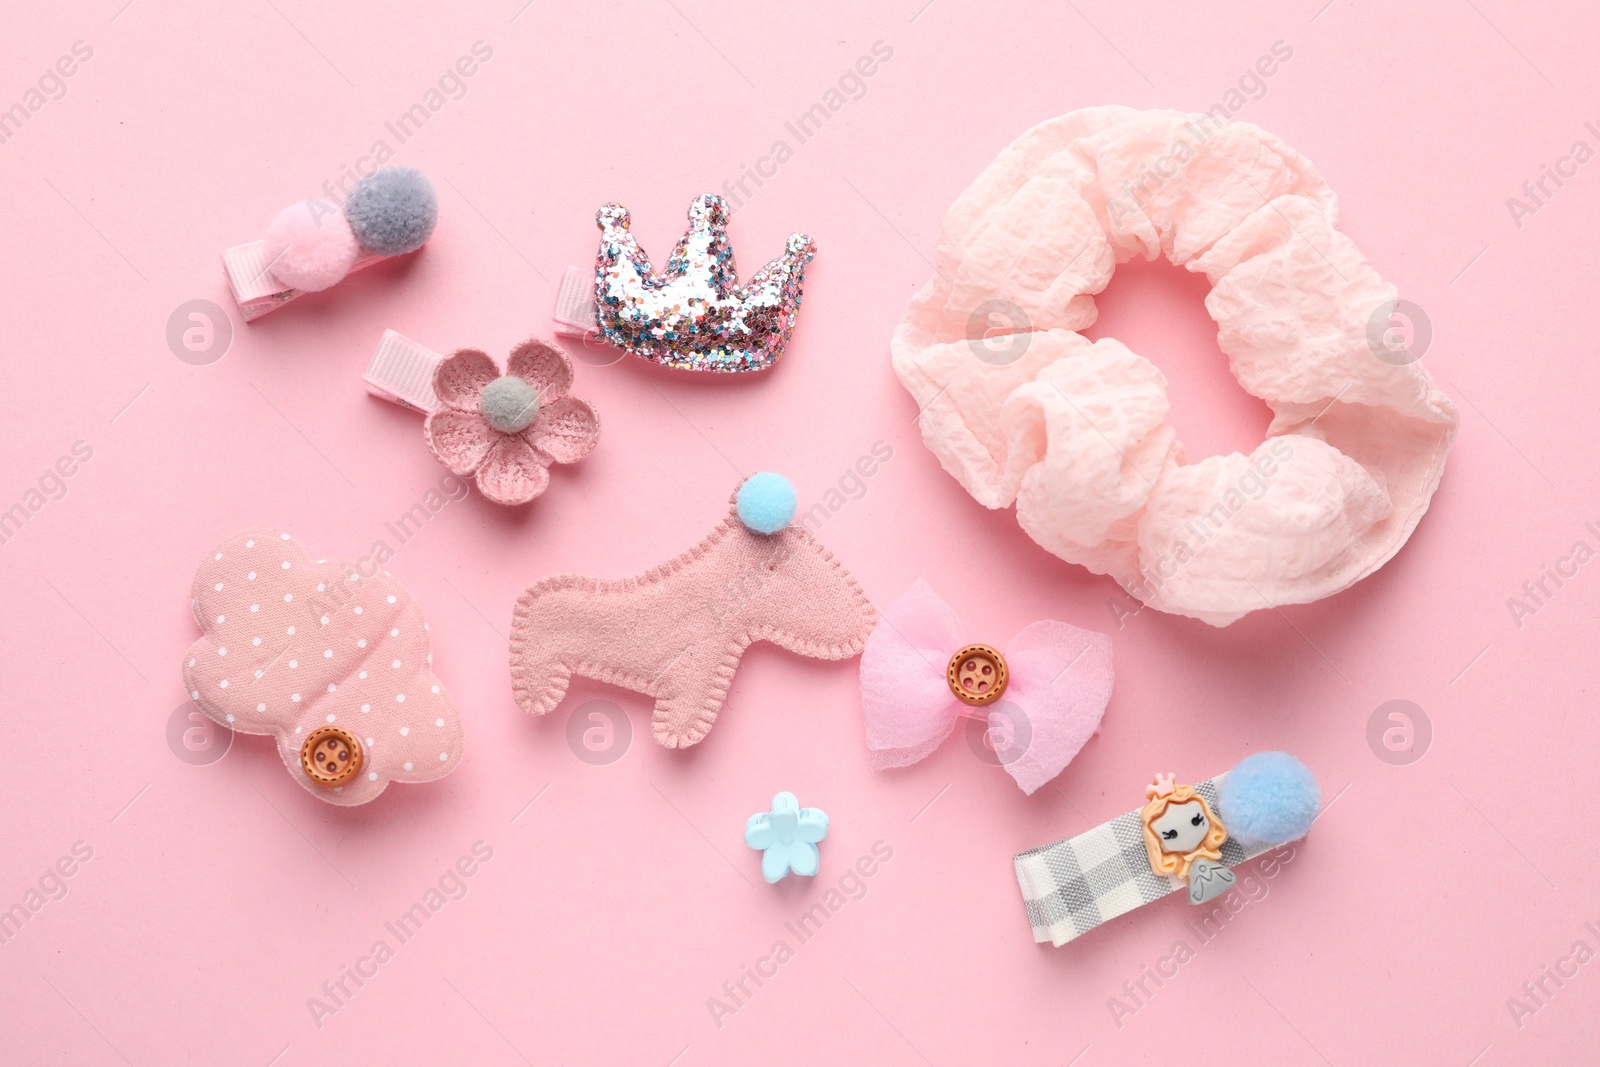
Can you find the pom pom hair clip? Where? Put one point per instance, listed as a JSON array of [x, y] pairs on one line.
[[314, 244], [1185, 835], [694, 315], [503, 429], [333, 662]]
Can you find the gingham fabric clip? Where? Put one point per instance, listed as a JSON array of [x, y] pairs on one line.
[[1074, 885]]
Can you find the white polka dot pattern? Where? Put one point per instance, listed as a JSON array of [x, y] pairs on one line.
[[258, 677]]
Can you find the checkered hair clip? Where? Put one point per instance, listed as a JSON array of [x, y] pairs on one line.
[[1184, 835]]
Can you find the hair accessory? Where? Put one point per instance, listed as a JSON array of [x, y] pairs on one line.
[[314, 244], [1183, 834], [694, 315], [676, 633], [1021, 408], [787, 837], [1183, 837], [330, 660], [504, 429], [1042, 693]]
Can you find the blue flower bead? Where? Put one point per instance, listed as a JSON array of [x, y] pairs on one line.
[[787, 836]]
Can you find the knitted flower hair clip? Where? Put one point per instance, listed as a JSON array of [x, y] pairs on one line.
[[314, 244], [503, 429]]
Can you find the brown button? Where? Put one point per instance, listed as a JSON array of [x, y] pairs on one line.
[[977, 675], [330, 756]]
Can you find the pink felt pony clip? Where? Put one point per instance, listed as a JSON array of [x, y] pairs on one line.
[[676, 633], [1041, 697]]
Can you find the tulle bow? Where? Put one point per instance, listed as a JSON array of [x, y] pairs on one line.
[[1057, 687]]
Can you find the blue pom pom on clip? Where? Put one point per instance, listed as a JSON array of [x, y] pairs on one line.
[[766, 502], [1270, 798]]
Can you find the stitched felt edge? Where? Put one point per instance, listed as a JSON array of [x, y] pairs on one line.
[[549, 696]]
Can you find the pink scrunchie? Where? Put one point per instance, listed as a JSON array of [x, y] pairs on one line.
[[1073, 431]]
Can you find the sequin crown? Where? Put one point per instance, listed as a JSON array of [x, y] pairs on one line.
[[694, 315]]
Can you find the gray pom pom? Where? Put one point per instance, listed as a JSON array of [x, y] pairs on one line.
[[392, 211], [509, 404]]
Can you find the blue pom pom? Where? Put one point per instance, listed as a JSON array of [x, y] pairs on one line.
[[766, 502], [392, 210], [1270, 798]]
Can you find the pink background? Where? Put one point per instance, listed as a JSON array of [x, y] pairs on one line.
[[219, 898]]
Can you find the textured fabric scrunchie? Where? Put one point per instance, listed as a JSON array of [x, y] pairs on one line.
[[1073, 431]]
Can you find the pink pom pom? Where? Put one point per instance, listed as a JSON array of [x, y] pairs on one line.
[[309, 246]]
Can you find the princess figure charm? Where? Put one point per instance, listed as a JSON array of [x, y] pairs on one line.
[[1184, 837]]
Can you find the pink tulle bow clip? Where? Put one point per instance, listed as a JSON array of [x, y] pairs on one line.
[[1041, 694]]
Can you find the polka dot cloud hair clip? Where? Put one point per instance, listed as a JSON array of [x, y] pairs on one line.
[[314, 244], [504, 429], [331, 662]]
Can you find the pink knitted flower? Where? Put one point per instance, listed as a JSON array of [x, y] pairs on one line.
[[506, 429]]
